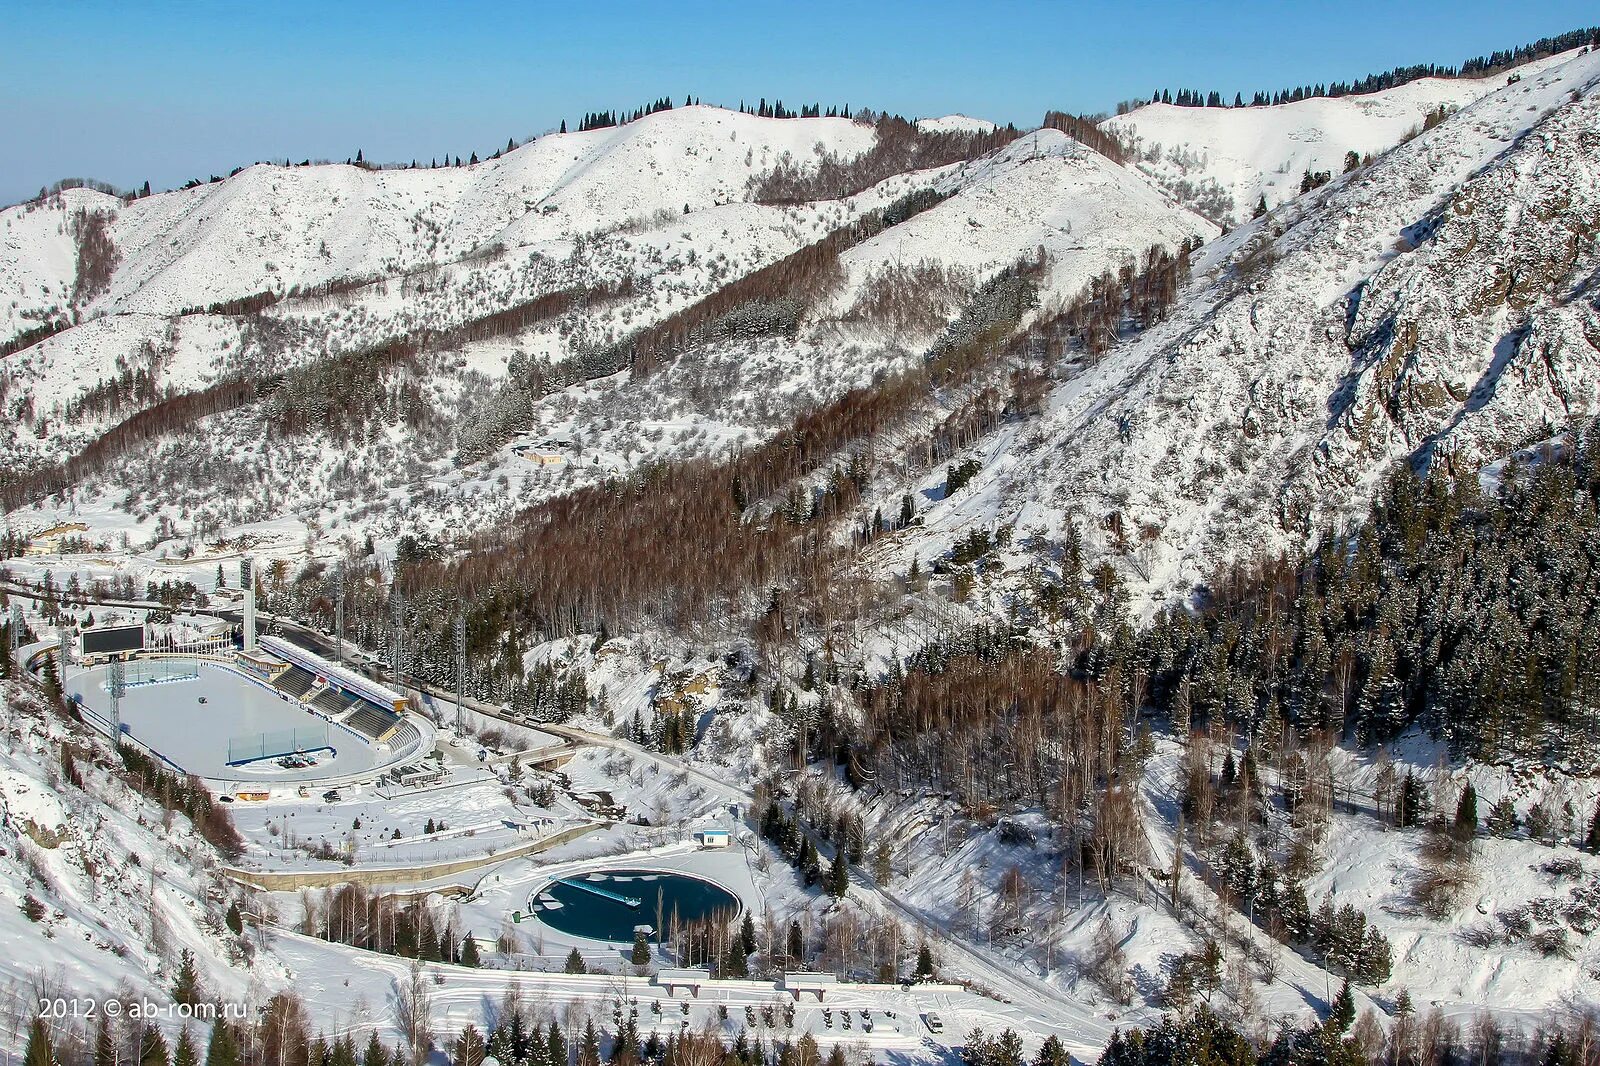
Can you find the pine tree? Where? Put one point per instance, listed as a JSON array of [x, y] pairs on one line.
[[38, 1051], [641, 949], [575, 963], [343, 1052], [1408, 806], [428, 946], [924, 971], [375, 1055], [1591, 840], [1261, 207], [50, 679], [1053, 1053], [234, 920], [469, 952], [797, 943], [589, 1046], [555, 1050]]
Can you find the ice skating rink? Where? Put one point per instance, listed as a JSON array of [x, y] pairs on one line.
[[192, 711]]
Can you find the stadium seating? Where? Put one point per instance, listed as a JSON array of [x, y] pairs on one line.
[[294, 681], [371, 720], [332, 702]]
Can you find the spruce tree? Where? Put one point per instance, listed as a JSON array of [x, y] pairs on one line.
[[1466, 823], [469, 1049], [234, 920], [186, 984], [839, 876], [925, 971], [575, 963], [38, 1051], [469, 952], [641, 949], [223, 1050], [184, 1053], [375, 1055], [153, 1048], [105, 1049], [1342, 1012], [747, 934]]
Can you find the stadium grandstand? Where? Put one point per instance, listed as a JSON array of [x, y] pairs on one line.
[[294, 681], [343, 696]]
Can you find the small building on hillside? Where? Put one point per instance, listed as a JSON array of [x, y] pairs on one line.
[[713, 838]]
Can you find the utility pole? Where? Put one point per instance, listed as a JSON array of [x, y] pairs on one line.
[[461, 664]]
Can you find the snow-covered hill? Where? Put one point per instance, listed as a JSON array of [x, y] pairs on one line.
[[1222, 160]]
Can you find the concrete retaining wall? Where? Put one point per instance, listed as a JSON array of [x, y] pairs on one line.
[[291, 880]]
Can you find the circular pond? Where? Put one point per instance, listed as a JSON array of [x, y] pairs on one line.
[[609, 904]]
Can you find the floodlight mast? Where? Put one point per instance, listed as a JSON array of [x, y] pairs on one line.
[[118, 686], [461, 664]]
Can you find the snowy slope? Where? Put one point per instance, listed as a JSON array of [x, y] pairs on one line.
[[125, 888], [1042, 191], [274, 228], [1227, 158], [1437, 302], [955, 124]]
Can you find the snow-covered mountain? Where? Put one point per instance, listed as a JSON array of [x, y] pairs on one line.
[[1223, 160], [654, 215], [1437, 305], [321, 364]]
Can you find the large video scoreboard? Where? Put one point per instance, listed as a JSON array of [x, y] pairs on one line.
[[113, 640]]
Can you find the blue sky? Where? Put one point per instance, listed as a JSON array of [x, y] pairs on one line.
[[128, 92]]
